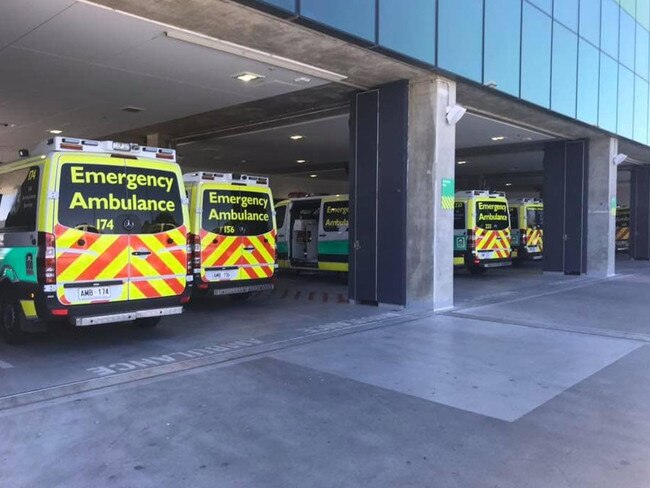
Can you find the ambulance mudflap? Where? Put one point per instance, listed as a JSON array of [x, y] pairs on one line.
[[119, 231]]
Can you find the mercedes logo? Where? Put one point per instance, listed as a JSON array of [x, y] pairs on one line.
[[128, 224]]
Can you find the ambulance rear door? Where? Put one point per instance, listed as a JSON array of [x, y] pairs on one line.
[[333, 234], [492, 231]]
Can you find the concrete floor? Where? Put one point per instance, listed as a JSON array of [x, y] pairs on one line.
[[533, 381]]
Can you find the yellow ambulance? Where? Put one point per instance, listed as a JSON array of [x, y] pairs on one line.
[[232, 233], [481, 231], [92, 232], [527, 222]]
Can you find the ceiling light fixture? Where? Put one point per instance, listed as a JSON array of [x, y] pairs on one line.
[[499, 138], [253, 54], [55, 131], [462, 162], [248, 77], [313, 176], [300, 161], [297, 137], [508, 184]]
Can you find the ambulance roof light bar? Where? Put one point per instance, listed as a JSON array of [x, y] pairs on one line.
[[529, 201], [235, 178], [480, 193], [108, 147]]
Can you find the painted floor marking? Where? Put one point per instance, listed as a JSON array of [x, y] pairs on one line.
[[5, 365]]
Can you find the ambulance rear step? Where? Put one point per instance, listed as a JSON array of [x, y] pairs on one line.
[[125, 317], [243, 289]]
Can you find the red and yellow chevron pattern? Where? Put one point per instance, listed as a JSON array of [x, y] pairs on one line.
[[535, 238], [254, 256], [623, 234], [159, 270], [497, 241]]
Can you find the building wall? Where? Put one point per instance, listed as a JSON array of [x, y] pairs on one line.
[[584, 59]]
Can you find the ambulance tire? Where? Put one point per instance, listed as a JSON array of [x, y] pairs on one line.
[[241, 297], [147, 323], [12, 319], [476, 270]]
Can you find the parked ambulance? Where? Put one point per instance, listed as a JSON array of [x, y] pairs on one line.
[[232, 233], [92, 232], [313, 233], [622, 229], [527, 222], [481, 231]]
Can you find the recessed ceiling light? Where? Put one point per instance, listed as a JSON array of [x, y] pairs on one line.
[[247, 77], [313, 176], [462, 162], [131, 109], [498, 138], [508, 184], [302, 79], [55, 131], [297, 137], [243, 160], [301, 161]]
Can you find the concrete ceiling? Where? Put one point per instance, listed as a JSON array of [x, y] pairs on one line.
[[73, 66]]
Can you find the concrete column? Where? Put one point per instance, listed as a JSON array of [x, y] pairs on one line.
[[430, 228], [601, 206], [640, 213]]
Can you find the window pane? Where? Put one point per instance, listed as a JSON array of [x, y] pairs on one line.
[[628, 36], [609, 28], [460, 37], [536, 57], [546, 5], [356, 17], [626, 103], [289, 5], [641, 110], [566, 11], [608, 93], [629, 6], [236, 213], [409, 28], [642, 38], [502, 44], [18, 199], [643, 13], [588, 83], [590, 20], [565, 58]]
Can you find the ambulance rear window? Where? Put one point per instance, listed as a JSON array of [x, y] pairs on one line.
[[535, 218], [237, 212], [119, 200], [514, 217], [19, 199], [492, 215], [459, 216]]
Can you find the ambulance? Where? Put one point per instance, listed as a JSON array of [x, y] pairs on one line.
[[622, 229], [527, 222], [481, 231], [313, 233], [232, 233], [92, 232]]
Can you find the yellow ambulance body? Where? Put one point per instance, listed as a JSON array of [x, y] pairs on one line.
[[233, 233], [481, 231], [527, 222]]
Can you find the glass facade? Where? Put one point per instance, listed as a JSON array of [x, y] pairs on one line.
[[584, 59]]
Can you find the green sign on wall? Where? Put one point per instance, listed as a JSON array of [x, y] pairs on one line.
[[448, 191]]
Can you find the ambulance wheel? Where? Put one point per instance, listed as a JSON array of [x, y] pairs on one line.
[[476, 270], [12, 320], [241, 297], [147, 323]]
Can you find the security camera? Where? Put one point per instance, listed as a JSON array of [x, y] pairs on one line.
[[619, 159], [455, 113]]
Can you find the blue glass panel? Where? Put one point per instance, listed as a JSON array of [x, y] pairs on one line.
[[640, 110], [289, 5], [565, 59], [609, 28], [590, 20], [626, 102], [502, 44], [460, 37], [409, 28], [356, 17], [627, 38], [536, 56], [608, 93], [642, 38], [566, 11], [643, 13], [545, 5], [588, 62]]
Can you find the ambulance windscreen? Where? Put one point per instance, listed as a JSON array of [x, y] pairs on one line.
[[237, 212], [459, 216], [107, 199], [492, 215], [535, 218]]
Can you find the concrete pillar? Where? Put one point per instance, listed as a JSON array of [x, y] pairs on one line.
[[430, 228], [601, 207], [640, 213]]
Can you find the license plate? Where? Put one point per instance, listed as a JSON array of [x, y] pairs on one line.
[[94, 293], [222, 275]]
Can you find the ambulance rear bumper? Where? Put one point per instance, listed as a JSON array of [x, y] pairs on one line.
[[125, 316]]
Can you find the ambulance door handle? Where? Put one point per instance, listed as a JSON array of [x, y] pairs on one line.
[[249, 248], [322, 235], [141, 253]]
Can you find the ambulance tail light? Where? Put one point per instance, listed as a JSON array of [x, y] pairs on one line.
[[194, 252], [471, 239], [46, 262], [524, 239]]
